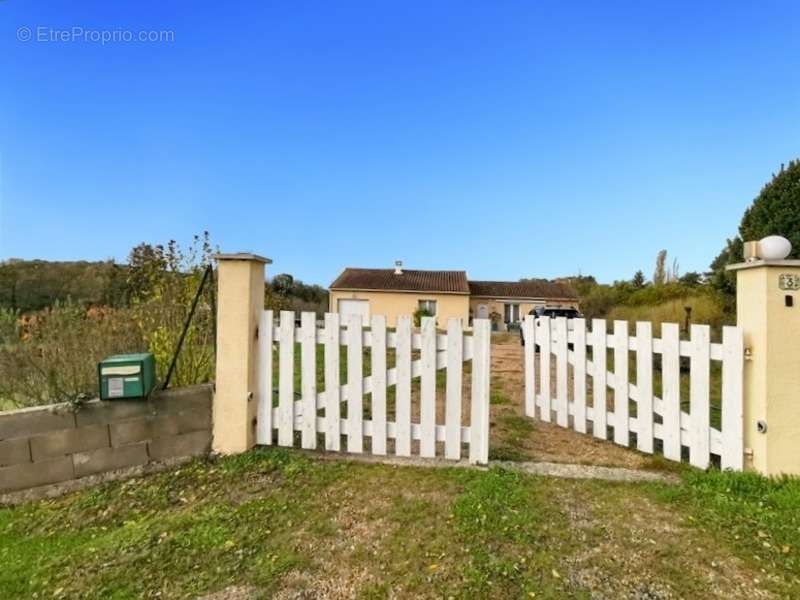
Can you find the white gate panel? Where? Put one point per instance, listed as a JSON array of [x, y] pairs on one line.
[[657, 418], [321, 412]]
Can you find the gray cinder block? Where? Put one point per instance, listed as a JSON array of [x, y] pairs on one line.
[[187, 399], [159, 426], [14, 451], [30, 421], [109, 459], [187, 444], [68, 441], [99, 412], [28, 475]]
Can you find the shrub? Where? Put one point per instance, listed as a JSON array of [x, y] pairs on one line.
[[284, 292], [164, 280], [706, 308], [419, 313], [599, 300], [9, 328], [52, 355]]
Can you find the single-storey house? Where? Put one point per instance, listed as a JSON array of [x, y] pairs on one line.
[[444, 294]]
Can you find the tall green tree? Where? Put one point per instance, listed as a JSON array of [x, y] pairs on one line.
[[660, 273], [30, 285], [691, 279], [775, 211], [282, 284]]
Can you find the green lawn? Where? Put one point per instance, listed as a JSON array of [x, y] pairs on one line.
[[279, 521]]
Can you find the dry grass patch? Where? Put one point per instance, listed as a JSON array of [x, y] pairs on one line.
[[510, 439]]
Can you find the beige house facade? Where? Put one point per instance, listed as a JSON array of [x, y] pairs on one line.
[[443, 294], [507, 302], [392, 304]]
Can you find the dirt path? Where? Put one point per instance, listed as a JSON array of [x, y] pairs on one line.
[[514, 436], [607, 541], [617, 527]]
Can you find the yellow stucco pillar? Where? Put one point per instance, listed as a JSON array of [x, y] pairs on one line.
[[768, 310], [240, 300]]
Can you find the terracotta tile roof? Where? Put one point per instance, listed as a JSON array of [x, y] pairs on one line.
[[453, 282], [530, 288]]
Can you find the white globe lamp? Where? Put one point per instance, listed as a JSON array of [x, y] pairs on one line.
[[774, 247]]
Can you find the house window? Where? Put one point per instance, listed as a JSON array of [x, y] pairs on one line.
[[428, 306], [511, 313]]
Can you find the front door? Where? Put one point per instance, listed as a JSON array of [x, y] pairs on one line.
[[483, 311]]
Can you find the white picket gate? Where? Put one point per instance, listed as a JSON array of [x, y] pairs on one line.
[[656, 418], [320, 412]]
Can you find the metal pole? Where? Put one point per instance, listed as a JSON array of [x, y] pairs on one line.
[[213, 301], [186, 328]]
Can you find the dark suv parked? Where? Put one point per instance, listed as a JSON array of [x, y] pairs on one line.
[[569, 313]]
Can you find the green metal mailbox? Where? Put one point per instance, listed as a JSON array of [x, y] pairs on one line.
[[127, 376]]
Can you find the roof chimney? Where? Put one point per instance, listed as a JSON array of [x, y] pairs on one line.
[[398, 267]]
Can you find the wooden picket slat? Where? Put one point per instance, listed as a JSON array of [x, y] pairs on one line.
[[403, 387], [286, 379], [599, 380], [644, 383], [544, 368], [562, 398], [452, 442], [579, 375], [529, 335], [378, 396], [427, 446], [621, 410], [479, 416], [699, 409], [308, 383], [264, 408], [355, 391], [671, 390], [332, 383], [732, 400]]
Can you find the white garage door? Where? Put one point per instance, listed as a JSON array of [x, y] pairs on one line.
[[354, 307]]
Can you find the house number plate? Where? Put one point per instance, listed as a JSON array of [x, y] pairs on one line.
[[789, 281]]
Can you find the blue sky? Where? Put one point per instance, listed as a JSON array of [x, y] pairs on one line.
[[511, 139]]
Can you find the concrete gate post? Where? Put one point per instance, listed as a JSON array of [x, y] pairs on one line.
[[240, 300], [768, 310]]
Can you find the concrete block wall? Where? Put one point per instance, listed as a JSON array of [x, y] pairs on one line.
[[53, 444]]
